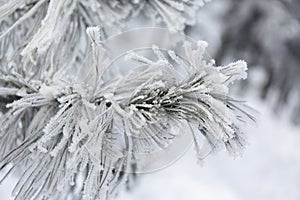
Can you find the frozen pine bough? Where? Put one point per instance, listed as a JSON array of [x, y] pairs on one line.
[[33, 32], [79, 137]]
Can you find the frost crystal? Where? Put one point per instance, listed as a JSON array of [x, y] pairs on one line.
[[80, 139]]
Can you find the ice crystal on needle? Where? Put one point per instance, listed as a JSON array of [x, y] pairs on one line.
[[81, 137]]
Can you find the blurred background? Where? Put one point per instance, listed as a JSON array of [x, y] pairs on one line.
[[266, 34]]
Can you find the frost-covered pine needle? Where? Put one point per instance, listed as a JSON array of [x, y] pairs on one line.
[[80, 139], [34, 32]]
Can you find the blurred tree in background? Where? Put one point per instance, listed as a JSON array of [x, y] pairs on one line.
[[267, 35]]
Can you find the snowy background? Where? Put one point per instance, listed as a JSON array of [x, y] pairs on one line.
[[269, 169], [270, 165]]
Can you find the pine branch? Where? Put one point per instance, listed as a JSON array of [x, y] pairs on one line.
[[69, 131], [27, 46]]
